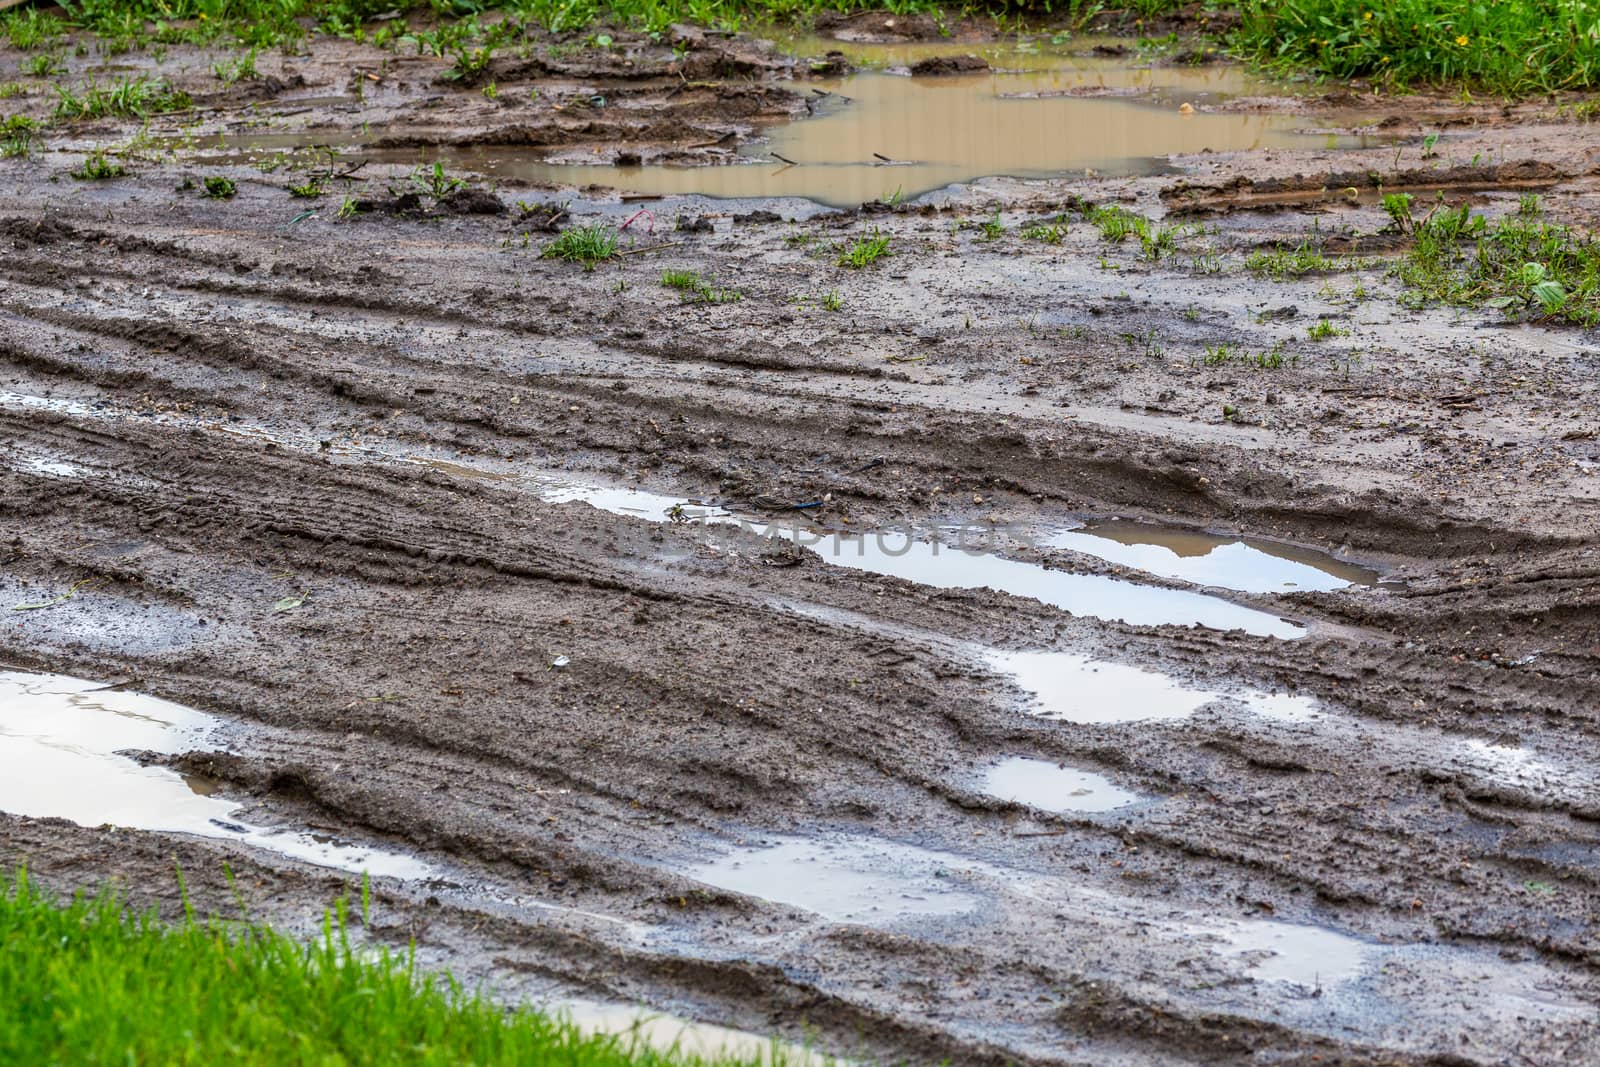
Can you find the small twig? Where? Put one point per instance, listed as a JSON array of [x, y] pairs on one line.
[[652, 248], [121, 683], [784, 159], [1042, 833]]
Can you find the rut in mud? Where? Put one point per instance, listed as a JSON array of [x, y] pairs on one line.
[[748, 658]]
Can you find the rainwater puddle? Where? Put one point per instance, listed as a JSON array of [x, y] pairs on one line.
[[1523, 768], [48, 466], [1049, 787], [1308, 956], [1077, 689], [652, 507], [945, 566], [59, 744], [641, 1029], [44, 403], [1042, 111], [851, 880], [1248, 565], [899, 555], [1071, 688]]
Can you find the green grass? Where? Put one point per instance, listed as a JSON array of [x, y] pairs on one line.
[[588, 245], [1271, 359], [1519, 263], [17, 133], [89, 982], [240, 69], [98, 167], [220, 188], [696, 289], [1505, 46], [129, 98], [1516, 47], [43, 65], [1283, 262], [1117, 223], [433, 181], [864, 250], [1051, 233], [28, 28], [465, 29]]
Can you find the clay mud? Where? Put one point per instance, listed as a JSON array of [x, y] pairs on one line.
[[1121, 619]]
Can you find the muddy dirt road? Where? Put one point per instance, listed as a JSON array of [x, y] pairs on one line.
[[466, 552]]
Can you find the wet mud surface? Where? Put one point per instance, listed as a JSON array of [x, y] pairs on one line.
[[463, 553]]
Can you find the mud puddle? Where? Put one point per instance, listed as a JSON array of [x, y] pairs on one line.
[[1041, 111], [857, 879], [944, 565], [639, 1029], [1248, 565], [60, 745], [1286, 967], [45, 464], [1051, 787], [1298, 954], [1073, 688]]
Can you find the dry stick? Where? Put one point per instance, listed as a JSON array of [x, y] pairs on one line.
[[652, 248], [120, 684], [783, 159]]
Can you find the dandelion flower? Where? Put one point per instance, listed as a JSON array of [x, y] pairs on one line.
[[1462, 40]]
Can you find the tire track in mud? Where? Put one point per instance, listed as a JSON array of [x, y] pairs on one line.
[[424, 583], [351, 551]]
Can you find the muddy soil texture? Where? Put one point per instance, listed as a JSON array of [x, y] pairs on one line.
[[443, 531]]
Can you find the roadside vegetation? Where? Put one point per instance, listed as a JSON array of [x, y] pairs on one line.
[[1513, 47], [88, 981]]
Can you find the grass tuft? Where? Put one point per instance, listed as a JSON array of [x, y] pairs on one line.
[[864, 250], [98, 167], [17, 133], [128, 98], [588, 245], [1282, 262], [696, 289], [1519, 264]]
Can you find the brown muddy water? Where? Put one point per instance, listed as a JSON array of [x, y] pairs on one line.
[[1040, 111]]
